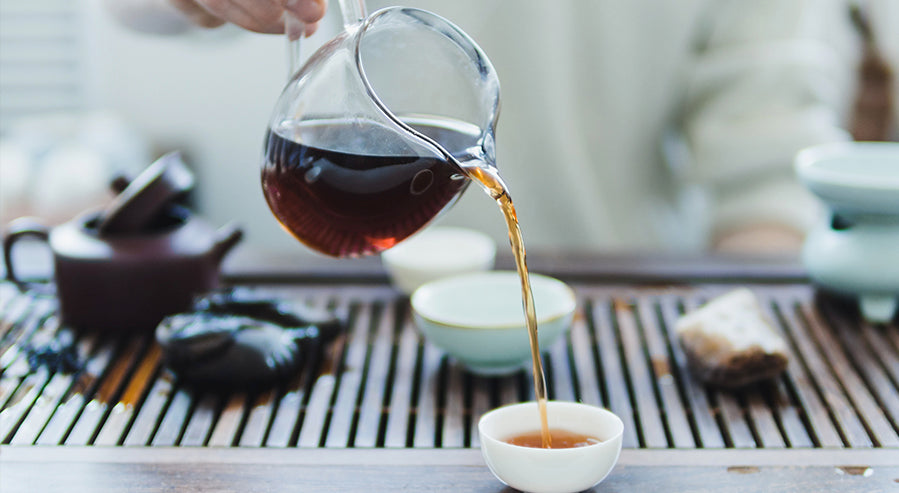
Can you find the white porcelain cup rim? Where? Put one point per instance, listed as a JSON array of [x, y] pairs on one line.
[[613, 426]]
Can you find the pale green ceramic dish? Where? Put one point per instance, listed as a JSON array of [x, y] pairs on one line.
[[478, 318], [854, 249]]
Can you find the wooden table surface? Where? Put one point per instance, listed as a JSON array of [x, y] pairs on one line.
[[814, 467], [141, 469]]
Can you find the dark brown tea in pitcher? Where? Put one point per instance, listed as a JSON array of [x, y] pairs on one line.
[[348, 204]]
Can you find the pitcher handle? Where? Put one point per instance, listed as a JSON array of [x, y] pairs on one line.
[[18, 229], [294, 29], [353, 12]]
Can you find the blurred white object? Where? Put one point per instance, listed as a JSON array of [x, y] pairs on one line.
[[478, 318], [15, 167], [561, 470], [438, 252], [70, 179], [855, 249], [56, 165]]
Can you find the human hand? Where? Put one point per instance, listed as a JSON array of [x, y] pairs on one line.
[[262, 16]]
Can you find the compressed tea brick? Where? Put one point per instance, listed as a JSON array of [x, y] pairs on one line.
[[730, 343]]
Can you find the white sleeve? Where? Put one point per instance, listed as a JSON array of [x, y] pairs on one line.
[[769, 78]]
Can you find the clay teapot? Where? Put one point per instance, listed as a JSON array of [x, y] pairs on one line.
[[129, 279]]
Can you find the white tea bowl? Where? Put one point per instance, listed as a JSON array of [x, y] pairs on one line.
[[542, 470], [478, 318], [437, 252]]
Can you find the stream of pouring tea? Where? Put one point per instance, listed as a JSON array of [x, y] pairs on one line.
[[488, 178]]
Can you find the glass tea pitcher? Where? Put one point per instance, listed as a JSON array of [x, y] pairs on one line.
[[372, 138]]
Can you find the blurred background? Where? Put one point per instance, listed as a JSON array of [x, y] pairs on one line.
[[84, 96]]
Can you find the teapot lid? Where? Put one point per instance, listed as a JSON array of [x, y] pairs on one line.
[[147, 195]]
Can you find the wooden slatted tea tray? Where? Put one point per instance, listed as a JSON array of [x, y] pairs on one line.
[[381, 408]]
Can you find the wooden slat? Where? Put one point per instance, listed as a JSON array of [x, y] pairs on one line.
[[797, 435], [201, 421], [43, 408], [287, 415], [20, 402], [398, 419], [176, 415], [426, 407], [584, 358], [316, 411], [349, 380], [14, 322], [83, 386], [775, 396], [560, 384], [324, 387], [9, 297], [638, 374], [480, 404], [285, 422], [453, 431], [261, 411], [874, 359], [111, 384], [763, 420], [173, 420], [17, 405], [112, 432], [701, 411], [664, 374], [372, 407], [799, 384], [879, 344], [10, 383], [12, 350], [510, 388], [145, 424], [820, 377], [891, 332], [613, 371], [733, 417], [858, 392], [226, 428]]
